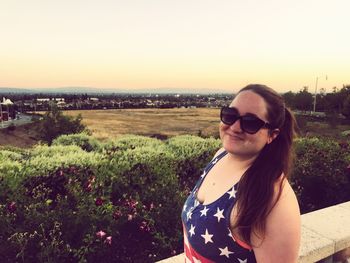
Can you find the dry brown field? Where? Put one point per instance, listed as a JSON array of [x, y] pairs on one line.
[[150, 122]]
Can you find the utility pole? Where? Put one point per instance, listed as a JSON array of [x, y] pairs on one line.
[[2, 120], [316, 92]]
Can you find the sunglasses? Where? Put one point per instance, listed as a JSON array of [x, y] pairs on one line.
[[249, 123]]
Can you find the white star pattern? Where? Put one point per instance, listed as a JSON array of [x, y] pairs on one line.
[[192, 230], [207, 237], [219, 214], [225, 252], [204, 211], [232, 193], [230, 235], [189, 214], [200, 228], [196, 203]]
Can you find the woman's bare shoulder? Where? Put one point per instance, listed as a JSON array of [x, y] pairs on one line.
[[282, 237]]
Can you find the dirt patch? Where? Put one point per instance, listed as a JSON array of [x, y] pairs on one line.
[[25, 136]]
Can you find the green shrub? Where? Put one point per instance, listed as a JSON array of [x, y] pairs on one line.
[[321, 176], [83, 140], [54, 124], [144, 175], [192, 154], [127, 142], [45, 159], [76, 201], [10, 155], [13, 149], [11, 166], [68, 196], [346, 134]]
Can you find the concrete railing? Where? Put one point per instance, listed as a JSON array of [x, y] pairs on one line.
[[325, 236]]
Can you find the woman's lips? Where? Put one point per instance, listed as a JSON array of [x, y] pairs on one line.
[[235, 137]]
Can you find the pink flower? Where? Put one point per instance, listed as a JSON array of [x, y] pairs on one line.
[[12, 207], [108, 240], [88, 188], [130, 217], [117, 214], [99, 201], [100, 234], [144, 226]]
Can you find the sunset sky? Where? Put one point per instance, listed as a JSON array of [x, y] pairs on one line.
[[223, 44]]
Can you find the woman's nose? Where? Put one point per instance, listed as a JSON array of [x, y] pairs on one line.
[[236, 126]]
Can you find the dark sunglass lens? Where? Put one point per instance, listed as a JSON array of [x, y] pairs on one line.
[[251, 124], [228, 115]]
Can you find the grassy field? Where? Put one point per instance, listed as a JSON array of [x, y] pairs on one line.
[[161, 123], [171, 122], [149, 122]]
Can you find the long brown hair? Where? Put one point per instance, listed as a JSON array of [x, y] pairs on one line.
[[257, 185]]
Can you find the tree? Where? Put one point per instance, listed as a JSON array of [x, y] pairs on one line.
[[334, 102], [289, 98], [54, 124], [346, 107], [303, 100]]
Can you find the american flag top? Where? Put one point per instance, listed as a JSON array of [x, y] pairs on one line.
[[207, 236]]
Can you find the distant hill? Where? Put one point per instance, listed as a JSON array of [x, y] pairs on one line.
[[88, 90], [15, 90]]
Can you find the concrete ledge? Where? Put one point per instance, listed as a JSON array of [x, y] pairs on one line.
[[314, 246], [332, 223], [323, 233]]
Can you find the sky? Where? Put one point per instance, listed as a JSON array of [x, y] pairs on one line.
[[189, 44]]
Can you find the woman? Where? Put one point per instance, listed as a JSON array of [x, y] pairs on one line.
[[243, 209]]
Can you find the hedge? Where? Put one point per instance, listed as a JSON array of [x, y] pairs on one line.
[[81, 200]]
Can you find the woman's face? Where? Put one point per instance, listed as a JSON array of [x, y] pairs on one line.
[[238, 142]]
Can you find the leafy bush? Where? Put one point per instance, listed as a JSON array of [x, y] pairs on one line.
[[45, 159], [139, 180], [83, 140], [71, 205], [346, 133], [321, 175], [54, 124], [127, 142], [192, 154], [11, 167], [82, 201]]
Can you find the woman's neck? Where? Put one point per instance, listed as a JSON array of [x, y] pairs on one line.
[[241, 162]]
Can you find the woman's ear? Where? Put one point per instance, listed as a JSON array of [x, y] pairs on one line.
[[273, 135]]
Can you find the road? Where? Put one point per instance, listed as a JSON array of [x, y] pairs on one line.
[[22, 119]]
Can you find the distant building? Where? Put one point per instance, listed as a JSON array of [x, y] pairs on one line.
[[43, 99], [7, 110]]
